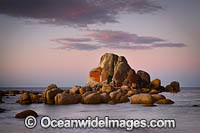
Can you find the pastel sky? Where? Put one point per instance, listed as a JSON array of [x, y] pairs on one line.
[[51, 41]]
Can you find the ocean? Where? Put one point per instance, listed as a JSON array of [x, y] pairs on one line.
[[187, 117]]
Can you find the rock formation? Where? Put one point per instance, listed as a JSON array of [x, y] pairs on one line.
[[112, 69], [112, 82]]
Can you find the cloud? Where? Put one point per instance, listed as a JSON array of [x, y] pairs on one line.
[[72, 39], [114, 40], [76, 12], [78, 46], [109, 36], [178, 45]]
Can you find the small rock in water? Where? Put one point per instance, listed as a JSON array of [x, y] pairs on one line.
[[150, 105], [2, 110], [26, 113], [195, 105]]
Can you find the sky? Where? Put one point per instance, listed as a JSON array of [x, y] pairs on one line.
[[51, 41]]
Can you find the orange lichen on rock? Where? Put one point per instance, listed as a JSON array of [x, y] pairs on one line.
[[96, 75]]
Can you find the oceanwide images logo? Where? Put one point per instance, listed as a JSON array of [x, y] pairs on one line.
[[128, 124]]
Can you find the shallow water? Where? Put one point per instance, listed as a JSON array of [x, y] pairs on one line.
[[187, 117]]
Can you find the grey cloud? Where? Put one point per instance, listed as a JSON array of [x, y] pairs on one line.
[[114, 40], [75, 12], [178, 45], [78, 46]]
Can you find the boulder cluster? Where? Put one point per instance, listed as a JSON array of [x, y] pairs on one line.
[[112, 82]]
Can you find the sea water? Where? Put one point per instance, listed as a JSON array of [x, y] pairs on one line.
[[187, 117]]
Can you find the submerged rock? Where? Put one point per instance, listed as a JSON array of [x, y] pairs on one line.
[[26, 113], [2, 110]]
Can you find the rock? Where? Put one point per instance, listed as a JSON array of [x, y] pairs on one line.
[[28, 98], [13, 92], [105, 98], [123, 99], [92, 98], [65, 98], [2, 110], [35, 98], [118, 97], [132, 92], [165, 101], [94, 77], [174, 87], [113, 70], [25, 98], [153, 91], [125, 89], [143, 79], [155, 84], [84, 89], [111, 102], [74, 90], [107, 88], [1, 99], [150, 105], [50, 92], [145, 90], [158, 97], [169, 88], [26, 113], [195, 105], [142, 99]]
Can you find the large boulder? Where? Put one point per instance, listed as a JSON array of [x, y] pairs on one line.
[[65, 98], [143, 79], [174, 87], [155, 84], [91, 98], [26, 113], [142, 99], [50, 92], [112, 68]]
